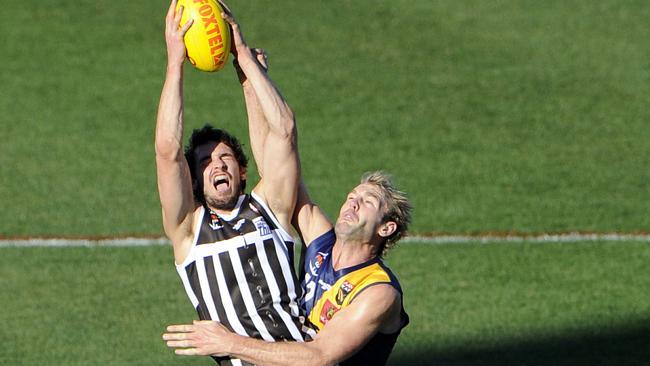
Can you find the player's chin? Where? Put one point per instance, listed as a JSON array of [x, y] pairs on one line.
[[223, 201], [343, 227]]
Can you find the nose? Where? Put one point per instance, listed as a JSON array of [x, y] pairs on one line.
[[354, 203], [221, 164]]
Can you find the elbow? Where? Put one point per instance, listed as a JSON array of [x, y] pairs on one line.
[[168, 149], [288, 130]]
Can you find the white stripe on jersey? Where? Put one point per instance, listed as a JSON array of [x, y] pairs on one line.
[[205, 288], [275, 292], [208, 250], [286, 273], [244, 290], [231, 313]]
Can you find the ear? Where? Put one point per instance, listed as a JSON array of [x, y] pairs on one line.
[[242, 174], [387, 229]]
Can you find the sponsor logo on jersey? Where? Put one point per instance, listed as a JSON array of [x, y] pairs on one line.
[[324, 285], [214, 221], [262, 228], [317, 262], [343, 292], [239, 224], [328, 311]]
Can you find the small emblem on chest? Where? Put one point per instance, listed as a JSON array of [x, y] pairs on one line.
[[262, 228], [239, 224], [214, 222]]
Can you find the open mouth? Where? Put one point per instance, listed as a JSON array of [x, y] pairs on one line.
[[221, 183], [349, 216]]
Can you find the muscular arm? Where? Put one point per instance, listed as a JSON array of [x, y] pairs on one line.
[[375, 309], [308, 219], [277, 157], [258, 127], [174, 182]]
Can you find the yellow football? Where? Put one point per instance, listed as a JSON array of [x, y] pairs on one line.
[[208, 39]]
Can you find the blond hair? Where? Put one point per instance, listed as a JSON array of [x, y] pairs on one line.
[[398, 207]]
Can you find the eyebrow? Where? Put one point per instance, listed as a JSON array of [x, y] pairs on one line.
[[367, 193], [375, 196]]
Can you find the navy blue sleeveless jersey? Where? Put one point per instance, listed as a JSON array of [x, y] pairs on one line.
[[326, 291]]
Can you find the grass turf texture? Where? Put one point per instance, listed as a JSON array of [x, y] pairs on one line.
[[470, 304], [518, 115]]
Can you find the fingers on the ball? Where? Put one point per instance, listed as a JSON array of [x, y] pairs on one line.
[[179, 14], [187, 26], [172, 6], [228, 18]]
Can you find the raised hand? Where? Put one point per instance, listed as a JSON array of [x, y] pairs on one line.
[[174, 34]]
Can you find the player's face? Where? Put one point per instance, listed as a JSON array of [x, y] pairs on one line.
[[361, 214], [222, 175]]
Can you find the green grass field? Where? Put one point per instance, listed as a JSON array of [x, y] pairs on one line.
[[515, 116], [499, 116], [470, 304]]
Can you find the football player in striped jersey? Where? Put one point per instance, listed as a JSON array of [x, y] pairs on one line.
[[349, 294], [233, 249]]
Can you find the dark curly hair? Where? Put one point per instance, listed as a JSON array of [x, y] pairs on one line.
[[204, 135]]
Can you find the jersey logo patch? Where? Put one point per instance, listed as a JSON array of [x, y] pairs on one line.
[[214, 222], [239, 224], [262, 227], [317, 262], [328, 311], [343, 292]]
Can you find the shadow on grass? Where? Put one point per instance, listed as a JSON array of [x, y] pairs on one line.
[[622, 346]]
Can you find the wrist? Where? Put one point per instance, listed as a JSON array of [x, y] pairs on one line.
[[245, 59], [234, 345], [174, 67]]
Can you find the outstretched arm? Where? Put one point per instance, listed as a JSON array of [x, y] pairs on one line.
[[307, 219], [376, 309], [258, 127], [277, 158], [174, 182]]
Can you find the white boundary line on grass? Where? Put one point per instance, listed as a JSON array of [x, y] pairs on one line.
[[543, 238], [442, 239], [62, 242]]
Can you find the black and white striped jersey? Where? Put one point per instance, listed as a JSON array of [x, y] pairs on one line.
[[240, 272]]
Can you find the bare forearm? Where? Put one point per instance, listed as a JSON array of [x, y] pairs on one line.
[[277, 353], [257, 125], [169, 123], [276, 111]]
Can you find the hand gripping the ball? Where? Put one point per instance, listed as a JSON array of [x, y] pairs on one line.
[[174, 33]]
